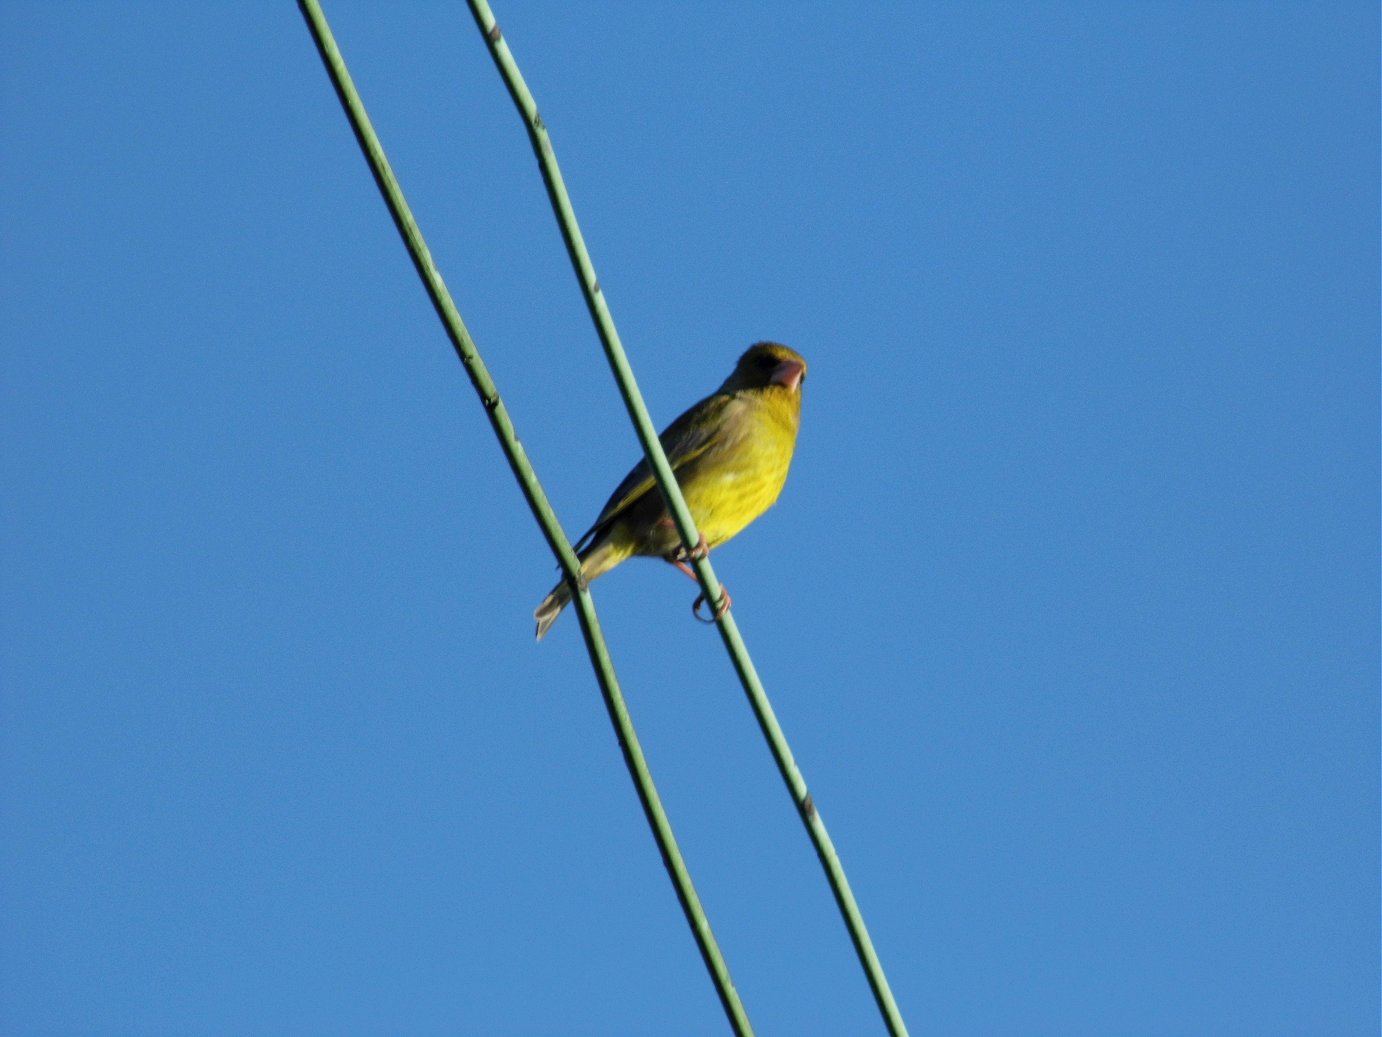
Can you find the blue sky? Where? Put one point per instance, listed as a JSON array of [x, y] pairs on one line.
[[1069, 609]]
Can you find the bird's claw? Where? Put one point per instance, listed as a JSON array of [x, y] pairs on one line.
[[696, 553], [725, 602], [681, 556]]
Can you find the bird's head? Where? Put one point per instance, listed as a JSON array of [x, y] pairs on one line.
[[768, 365]]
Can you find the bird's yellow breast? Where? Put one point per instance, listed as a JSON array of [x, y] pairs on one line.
[[742, 478]]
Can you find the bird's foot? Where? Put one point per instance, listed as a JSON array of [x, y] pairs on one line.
[[681, 556], [725, 602]]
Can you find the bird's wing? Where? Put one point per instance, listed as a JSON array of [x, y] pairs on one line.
[[684, 440]]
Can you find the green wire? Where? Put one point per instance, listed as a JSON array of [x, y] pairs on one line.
[[541, 509], [662, 472]]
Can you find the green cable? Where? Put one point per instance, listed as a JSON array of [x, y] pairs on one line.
[[662, 472], [541, 509]]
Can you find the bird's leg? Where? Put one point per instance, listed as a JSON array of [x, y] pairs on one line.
[[684, 568], [679, 558]]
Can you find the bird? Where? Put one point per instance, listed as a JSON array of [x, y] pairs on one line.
[[730, 453]]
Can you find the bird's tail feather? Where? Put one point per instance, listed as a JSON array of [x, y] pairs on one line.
[[546, 614], [598, 558]]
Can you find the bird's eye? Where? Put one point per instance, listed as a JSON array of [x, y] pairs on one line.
[[767, 361]]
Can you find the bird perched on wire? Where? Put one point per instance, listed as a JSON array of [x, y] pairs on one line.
[[730, 453]]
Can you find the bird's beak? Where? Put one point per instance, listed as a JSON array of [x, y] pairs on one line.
[[788, 374]]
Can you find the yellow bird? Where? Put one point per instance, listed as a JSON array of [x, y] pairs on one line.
[[730, 453]]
